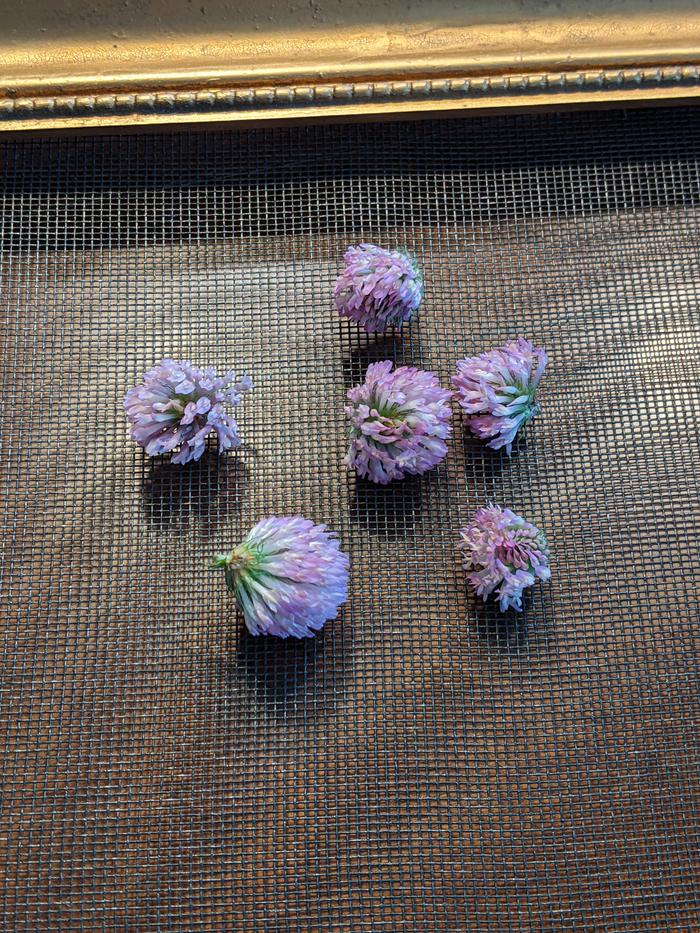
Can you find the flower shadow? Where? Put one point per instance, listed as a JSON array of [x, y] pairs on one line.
[[505, 631], [492, 462], [290, 677], [391, 511], [384, 347], [208, 491]]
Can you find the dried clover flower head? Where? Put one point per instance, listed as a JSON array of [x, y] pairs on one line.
[[400, 421], [503, 553], [288, 575], [497, 390], [378, 288], [178, 406]]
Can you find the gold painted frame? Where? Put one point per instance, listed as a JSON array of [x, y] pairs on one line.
[[73, 64]]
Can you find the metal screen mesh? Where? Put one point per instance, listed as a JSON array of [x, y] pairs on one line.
[[424, 764]]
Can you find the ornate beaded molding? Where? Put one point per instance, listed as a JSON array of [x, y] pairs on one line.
[[244, 103]]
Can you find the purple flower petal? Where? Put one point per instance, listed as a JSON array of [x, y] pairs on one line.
[[497, 390], [177, 406], [288, 575], [378, 288], [400, 421], [503, 553]]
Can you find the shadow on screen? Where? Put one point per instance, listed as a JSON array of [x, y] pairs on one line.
[[207, 492]]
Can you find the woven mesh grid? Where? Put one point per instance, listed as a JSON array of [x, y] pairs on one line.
[[425, 763]]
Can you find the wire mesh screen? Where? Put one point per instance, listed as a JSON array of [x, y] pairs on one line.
[[425, 763]]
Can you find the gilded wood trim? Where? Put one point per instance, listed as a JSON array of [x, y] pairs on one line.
[[457, 65]]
